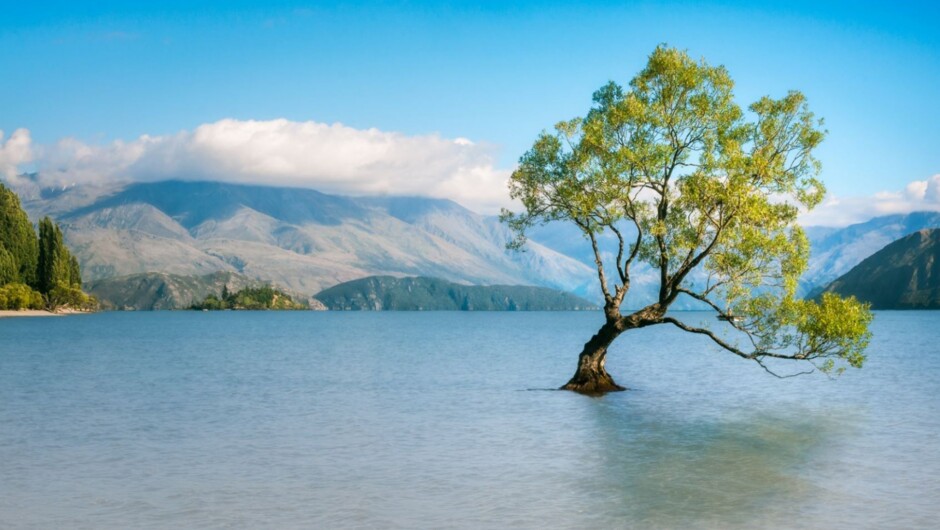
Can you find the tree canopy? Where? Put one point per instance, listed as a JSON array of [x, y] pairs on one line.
[[705, 193]]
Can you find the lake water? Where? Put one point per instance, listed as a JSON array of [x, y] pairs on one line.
[[424, 420]]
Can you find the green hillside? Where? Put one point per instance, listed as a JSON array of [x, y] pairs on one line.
[[387, 293], [153, 290], [902, 275]]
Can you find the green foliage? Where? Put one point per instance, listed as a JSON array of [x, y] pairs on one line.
[[9, 268], [18, 240], [19, 296], [689, 181], [75, 274], [254, 298], [71, 296]]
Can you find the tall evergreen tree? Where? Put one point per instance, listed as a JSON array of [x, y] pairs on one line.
[[75, 274], [54, 263], [17, 237], [8, 267]]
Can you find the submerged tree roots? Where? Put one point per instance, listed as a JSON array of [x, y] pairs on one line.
[[593, 387], [592, 378]]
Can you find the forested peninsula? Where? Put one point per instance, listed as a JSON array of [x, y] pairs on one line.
[[250, 298]]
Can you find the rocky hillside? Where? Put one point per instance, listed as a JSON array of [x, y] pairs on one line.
[[157, 290], [383, 293], [903, 275]]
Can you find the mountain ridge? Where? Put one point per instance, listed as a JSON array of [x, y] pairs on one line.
[[388, 293], [905, 274], [836, 251], [302, 240]]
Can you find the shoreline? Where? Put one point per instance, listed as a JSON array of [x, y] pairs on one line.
[[7, 313]]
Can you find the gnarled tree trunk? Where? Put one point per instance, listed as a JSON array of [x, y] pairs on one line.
[[591, 376]]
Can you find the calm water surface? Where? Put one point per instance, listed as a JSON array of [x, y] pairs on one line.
[[423, 420]]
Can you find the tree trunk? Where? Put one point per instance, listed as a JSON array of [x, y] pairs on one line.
[[591, 377]]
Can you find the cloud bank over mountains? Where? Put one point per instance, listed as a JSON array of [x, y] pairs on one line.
[[332, 158], [917, 196], [336, 158]]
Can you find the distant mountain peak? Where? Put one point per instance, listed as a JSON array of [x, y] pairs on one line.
[[194, 202]]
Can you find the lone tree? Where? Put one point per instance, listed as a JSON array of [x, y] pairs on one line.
[[679, 177]]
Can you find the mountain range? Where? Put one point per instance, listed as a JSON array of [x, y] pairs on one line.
[[299, 239], [903, 275], [304, 241]]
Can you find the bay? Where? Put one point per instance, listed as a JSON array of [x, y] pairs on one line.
[[429, 420]]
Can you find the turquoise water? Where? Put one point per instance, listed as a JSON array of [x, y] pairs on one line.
[[424, 420]]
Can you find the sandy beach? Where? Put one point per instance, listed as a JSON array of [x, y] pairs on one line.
[[38, 313], [28, 313]]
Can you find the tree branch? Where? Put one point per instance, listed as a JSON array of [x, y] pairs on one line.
[[620, 269], [702, 298], [708, 333], [778, 376], [601, 276], [688, 266], [754, 356]]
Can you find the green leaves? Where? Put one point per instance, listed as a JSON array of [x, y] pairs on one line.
[[19, 296], [835, 324]]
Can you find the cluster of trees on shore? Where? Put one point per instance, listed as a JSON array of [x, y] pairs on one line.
[[255, 298], [36, 271]]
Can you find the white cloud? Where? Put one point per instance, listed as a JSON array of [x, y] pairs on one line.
[[919, 195], [330, 158], [340, 159], [14, 152]]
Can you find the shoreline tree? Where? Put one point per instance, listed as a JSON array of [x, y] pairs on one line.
[[682, 179]]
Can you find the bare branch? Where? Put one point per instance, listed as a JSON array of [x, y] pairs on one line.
[[702, 298], [601, 276], [756, 356], [778, 376], [708, 333], [620, 269]]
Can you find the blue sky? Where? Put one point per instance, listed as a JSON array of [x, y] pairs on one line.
[[494, 74]]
